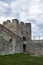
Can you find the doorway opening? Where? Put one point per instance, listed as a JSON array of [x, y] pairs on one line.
[[24, 47]]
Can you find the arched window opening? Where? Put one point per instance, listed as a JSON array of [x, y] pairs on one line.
[[24, 38]]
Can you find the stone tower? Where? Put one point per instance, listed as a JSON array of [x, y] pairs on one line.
[[22, 29], [25, 31]]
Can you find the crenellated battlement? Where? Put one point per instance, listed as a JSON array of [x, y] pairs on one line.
[[16, 21]]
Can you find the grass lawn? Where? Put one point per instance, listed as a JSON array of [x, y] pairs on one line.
[[21, 59]]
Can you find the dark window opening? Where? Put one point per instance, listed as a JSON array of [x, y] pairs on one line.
[[24, 38], [24, 47], [10, 40]]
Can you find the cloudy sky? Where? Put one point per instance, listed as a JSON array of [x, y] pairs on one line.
[[25, 10]]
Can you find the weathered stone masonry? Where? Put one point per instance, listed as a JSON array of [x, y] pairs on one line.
[[7, 41], [15, 37]]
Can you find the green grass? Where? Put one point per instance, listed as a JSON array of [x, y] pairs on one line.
[[21, 59]]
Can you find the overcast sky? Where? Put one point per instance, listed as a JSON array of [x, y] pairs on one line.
[[25, 10]]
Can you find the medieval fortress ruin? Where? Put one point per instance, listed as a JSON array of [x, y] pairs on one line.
[[15, 37]]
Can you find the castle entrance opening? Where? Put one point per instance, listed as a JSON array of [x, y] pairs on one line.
[[24, 47]]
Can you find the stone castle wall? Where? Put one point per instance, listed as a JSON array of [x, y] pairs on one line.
[[24, 29], [5, 44], [7, 41], [35, 47]]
